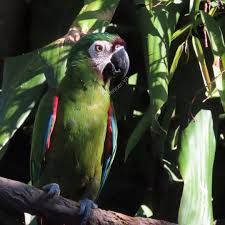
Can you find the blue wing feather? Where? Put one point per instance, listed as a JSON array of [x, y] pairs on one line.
[[37, 168], [43, 126], [50, 121]]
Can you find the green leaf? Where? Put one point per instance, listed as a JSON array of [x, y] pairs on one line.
[[144, 211], [54, 57], [30, 219], [201, 61], [196, 166], [218, 49], [215, 36], [157, 25], [96, 15], [138, 132], [182, 30], [172, 171], [24, 76], [23, 86], [176, 60], [162, 26], [219, 80], [133, 79], [175, 138], [194, 6], [212, 11]]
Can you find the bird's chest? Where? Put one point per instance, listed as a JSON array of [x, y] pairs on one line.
[[79, 135], [81, 121], [77, 146]]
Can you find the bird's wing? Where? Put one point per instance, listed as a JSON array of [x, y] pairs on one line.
[[110, 144], [43, 128]]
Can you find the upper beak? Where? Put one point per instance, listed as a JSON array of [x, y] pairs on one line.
[[118, 65]]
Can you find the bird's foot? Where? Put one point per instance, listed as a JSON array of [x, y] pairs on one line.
[[85, 209], [52, 189]]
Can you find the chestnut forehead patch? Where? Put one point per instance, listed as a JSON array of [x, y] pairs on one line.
[[118, 41]]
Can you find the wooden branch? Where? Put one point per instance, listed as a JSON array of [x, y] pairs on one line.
[[18, 197]]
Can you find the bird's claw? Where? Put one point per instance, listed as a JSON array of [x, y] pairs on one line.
[[52, 189], [85, 209]]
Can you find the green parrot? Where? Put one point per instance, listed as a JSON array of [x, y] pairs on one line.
[[75, 132]]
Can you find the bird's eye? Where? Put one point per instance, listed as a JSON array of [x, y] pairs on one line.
[[98, 48], [117, 46]]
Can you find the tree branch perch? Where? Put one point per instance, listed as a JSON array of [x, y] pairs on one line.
[[18, 197]]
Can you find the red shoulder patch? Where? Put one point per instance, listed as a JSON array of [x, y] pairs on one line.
[[52, 121], [108, 139]]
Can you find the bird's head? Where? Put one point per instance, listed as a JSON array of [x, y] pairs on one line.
[[102, 52]]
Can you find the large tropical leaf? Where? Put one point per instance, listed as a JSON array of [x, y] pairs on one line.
[[54, 57], [196, 166], [23, 85], [157, 25], [96, 15]]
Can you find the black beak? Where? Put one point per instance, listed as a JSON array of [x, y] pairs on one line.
[[119, 65]]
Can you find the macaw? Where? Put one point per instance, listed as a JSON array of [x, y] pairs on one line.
[[75, 132]]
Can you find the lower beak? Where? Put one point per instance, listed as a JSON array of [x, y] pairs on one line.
[[118, 65]]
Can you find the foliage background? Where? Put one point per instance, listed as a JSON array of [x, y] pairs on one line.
[[151, 174]]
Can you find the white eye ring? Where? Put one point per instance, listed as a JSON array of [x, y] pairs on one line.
[[99, 48]]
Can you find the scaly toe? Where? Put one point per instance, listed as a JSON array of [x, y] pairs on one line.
[[85, 209], [52, 189]]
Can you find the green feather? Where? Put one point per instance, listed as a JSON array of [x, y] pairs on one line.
[[74, 159]]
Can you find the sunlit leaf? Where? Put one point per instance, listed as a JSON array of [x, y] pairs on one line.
[[24, 76], [215, 36], [144, 211], [30, 219], [218, 50], [54, 58], [196, 166], [181, 31], [133, 79], [174, 141], [176, 60], [172, 171], [212, 11], [23, 86], [201, 61], [96, 15], [162, 26], [219, 79], [158, 26], [194, 6]]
